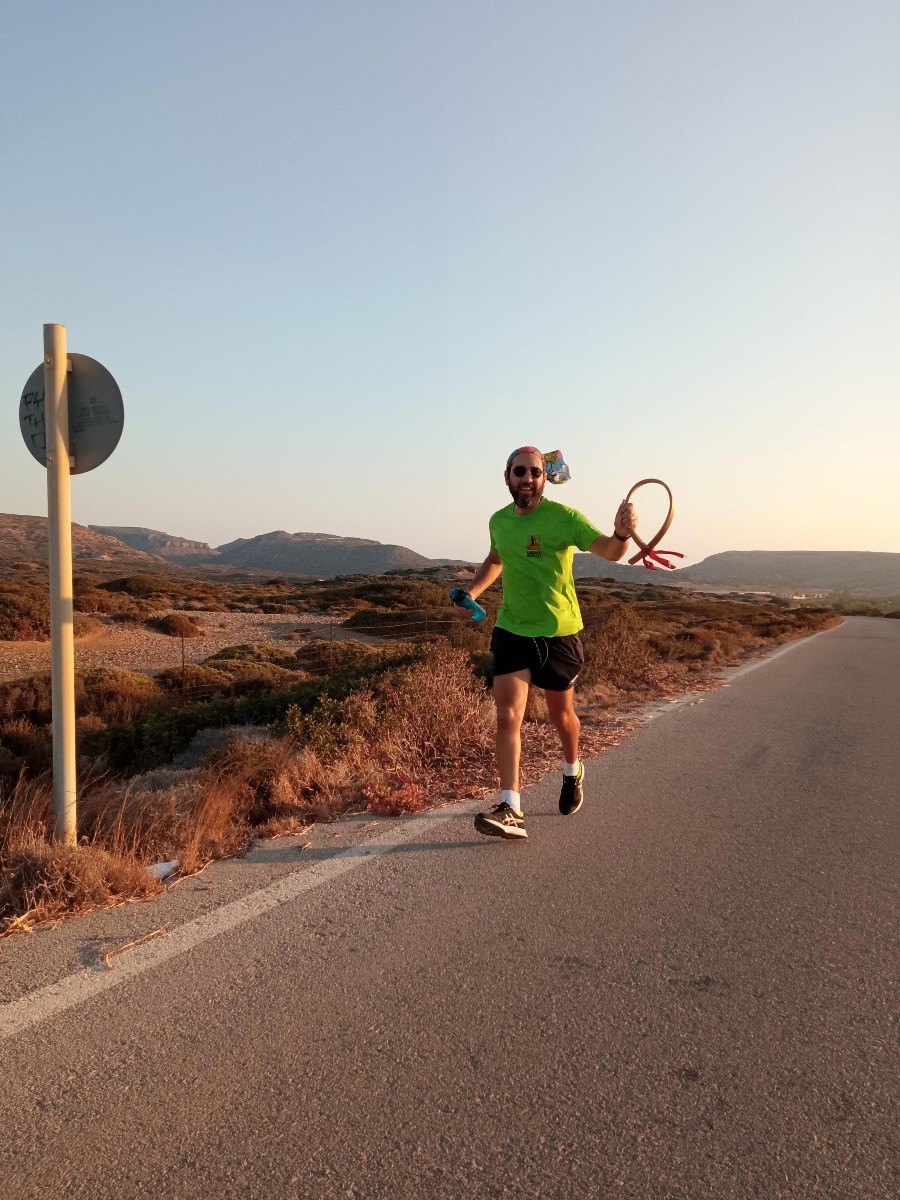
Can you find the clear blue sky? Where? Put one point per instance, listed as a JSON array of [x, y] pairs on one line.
[[343, 256]]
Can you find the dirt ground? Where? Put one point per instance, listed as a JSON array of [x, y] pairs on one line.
[[136, 648]]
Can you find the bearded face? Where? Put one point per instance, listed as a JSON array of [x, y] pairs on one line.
[[525, 479]]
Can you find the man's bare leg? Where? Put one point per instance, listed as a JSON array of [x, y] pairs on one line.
[[561, 707], [510, 697]]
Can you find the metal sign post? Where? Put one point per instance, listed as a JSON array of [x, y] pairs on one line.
[[71, 416], [62, 637]]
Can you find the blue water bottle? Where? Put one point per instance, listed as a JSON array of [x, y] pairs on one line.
[[462, 599]]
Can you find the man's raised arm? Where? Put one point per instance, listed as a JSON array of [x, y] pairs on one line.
[[615, 547]]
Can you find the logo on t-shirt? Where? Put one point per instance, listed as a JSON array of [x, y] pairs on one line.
[[533, 548]]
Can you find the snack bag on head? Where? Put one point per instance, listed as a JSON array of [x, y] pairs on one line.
[[556, 468]]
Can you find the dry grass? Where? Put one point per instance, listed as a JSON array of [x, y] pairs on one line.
[[43, 881], [404, 740]]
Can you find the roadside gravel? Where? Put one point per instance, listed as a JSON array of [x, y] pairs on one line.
[[136, 648]]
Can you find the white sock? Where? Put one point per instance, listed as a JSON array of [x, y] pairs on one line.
[[571, 768], [514, 800]]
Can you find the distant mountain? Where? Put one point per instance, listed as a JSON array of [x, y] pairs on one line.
[[318, 554], [781, 571], [24, 539], [323, 554], [797, 570], [153, 541], [589, 566]]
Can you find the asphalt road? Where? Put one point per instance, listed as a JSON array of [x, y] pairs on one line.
[[688, 990]]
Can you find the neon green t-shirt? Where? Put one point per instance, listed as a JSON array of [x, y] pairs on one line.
[[537, 550]]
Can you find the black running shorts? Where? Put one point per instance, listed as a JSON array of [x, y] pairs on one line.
[[554, 662]]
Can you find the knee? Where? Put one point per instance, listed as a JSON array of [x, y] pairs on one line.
[[509, 718], [565, 718]]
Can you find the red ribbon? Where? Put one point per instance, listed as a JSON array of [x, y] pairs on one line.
[[647, 555]]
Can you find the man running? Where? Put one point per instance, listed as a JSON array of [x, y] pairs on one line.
[[536, 636]]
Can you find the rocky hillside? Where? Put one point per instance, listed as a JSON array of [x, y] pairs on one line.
[[166, 545], [318, 554], [24, 540]]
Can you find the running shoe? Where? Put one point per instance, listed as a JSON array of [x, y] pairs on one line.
[[571, 797], [501, 822]]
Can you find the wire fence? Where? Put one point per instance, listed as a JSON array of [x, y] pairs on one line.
[[416, 626], [419, 627]]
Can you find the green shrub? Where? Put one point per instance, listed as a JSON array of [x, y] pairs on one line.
[[117, 696], [194, 679], [323, 657], [252, 652]]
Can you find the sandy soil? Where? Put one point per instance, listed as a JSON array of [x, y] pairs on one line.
[[136, 648]]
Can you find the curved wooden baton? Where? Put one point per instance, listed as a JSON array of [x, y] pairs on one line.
[[648, 553]]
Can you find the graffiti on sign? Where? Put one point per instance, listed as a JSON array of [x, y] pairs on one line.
[[96, 414]]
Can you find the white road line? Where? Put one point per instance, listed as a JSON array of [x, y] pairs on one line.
[[35, 1007]]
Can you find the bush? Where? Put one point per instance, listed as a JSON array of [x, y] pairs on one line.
[[261, 779], [24, 613], [142, 585], [323, 657], [84, 626], [336, 725], [89, 599], [196, 679], [261, 652], [24, 748], [31, 697], [615, 649], [117, 696], [176, 625], [412, 718], [250, 678], [42, 880]]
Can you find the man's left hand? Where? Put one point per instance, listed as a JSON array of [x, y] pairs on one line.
[[626, 520]]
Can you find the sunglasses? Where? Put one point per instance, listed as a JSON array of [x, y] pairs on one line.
[[536, 472]]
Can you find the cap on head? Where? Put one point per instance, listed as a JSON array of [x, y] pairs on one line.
[[525, 450]]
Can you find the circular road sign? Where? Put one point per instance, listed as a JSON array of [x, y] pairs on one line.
[[96, 414]]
